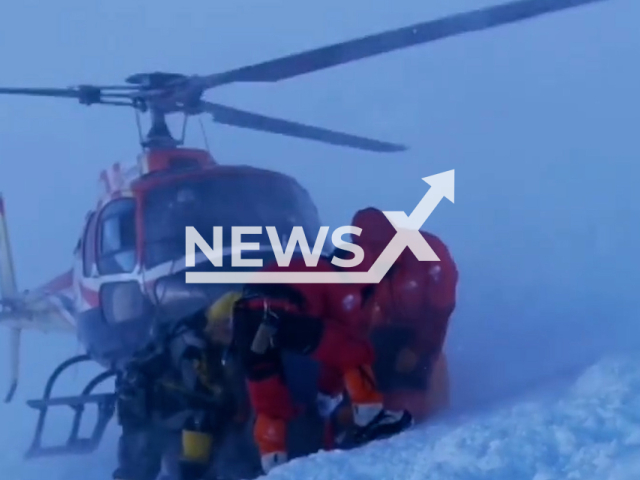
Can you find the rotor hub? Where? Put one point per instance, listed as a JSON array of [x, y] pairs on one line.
[[156, 80]]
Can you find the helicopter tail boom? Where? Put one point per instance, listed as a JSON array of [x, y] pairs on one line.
[[41, 310]]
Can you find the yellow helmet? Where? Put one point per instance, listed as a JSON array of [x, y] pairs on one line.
[[222, 308]]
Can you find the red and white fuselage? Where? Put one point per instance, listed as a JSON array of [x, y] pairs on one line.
[[129, 263]]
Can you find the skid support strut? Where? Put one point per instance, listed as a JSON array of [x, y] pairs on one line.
[[75, 444]]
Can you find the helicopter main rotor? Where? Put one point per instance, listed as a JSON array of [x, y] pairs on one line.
[[161, 94]]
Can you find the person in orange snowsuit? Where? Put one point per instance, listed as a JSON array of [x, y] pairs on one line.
[[311, 320], [406, 316]]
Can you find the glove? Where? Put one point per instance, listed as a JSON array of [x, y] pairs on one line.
[[406, 361], [264, 337], [327, 404]]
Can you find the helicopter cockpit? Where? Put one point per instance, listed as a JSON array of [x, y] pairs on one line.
[[259, 198], [145, 234], [239, 199]]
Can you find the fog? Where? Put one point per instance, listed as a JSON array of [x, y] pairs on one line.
[[538, 119]]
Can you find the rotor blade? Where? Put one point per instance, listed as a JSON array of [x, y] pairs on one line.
[[41, 92], [85, 94], [372, 45], [240, 118]]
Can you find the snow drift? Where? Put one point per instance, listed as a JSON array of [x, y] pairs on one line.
[[589, 430]]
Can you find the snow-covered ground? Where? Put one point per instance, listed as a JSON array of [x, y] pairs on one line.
[[589, 430], [583, 428]]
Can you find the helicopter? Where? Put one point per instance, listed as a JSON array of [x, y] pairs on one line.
[[128, 263]]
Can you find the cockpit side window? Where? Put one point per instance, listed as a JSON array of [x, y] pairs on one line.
[[117, 235], [89, 246]]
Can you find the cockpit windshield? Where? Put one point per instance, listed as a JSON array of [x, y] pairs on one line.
[[262, 199]]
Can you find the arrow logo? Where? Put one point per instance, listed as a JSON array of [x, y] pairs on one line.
[[407, 236], [442, 186]]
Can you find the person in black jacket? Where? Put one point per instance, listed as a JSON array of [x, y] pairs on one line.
[[181, 386]]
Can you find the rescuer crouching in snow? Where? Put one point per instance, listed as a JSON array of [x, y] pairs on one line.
[[182, 389], [406, 316], [269, 320]]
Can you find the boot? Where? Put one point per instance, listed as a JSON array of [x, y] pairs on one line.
[[270, 436], [371, 421]]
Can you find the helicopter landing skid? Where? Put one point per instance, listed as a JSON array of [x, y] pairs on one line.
[[75, 444]]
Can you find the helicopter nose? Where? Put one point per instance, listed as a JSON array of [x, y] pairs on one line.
[[175, 299]]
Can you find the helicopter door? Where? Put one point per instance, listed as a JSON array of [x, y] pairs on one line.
[[117, 238], [121, 299]]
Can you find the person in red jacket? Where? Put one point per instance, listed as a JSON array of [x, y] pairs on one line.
[[406, 316], [308, 319]]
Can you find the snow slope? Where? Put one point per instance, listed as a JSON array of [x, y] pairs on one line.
[[588, 431]]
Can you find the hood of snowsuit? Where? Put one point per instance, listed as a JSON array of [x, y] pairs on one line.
[[376, 233]]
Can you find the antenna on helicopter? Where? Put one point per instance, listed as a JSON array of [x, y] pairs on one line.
[[161, 94]]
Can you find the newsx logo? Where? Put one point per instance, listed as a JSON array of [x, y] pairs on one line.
[[216, 253], [407, 236]]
